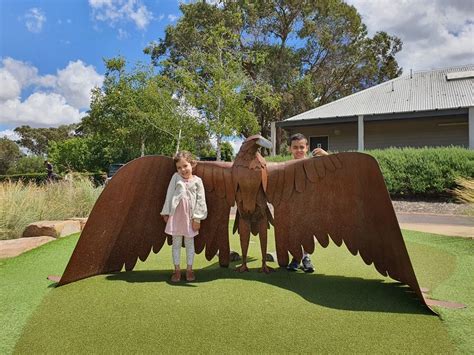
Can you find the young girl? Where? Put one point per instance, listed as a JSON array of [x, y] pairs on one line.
[[184, 209]]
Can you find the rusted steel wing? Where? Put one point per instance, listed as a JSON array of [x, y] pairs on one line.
[[342, 197], [125, 223], [214, 233]]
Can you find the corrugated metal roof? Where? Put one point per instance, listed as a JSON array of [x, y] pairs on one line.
[[421, 91]]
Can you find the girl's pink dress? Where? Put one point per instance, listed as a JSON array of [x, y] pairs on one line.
[[181, 222]]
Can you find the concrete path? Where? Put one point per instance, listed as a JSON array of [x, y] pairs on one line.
[[460, 226], [14, 247]]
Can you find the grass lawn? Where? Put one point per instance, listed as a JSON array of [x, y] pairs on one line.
[[345, 306]]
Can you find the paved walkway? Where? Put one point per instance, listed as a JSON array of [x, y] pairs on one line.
[[460, 226], [13, 247]]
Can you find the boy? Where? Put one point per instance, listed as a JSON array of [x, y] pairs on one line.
[[299, 149]]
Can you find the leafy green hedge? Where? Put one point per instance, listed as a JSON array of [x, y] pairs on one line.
[[419, 171], [30, 177], [426, 171], [97, 178]]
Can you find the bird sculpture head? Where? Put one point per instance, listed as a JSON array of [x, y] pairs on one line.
[[250, 146]]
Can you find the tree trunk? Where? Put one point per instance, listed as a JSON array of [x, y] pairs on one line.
[[179, 140], [142, 148], [218, 148]]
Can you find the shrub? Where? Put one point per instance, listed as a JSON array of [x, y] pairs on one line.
[[423, 171], [419, 171], [28, 165], [278, 158]]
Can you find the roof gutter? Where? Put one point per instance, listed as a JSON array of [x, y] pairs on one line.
[[461, 111]]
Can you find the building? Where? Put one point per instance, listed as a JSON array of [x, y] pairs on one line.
[[428, 108]]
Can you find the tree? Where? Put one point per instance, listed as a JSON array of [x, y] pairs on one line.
[[9, 154], [218, 87], [209, 152], [137, 113], [210, 74], [317, 51], [296, 54], [36, 140], [338, 56], [227, 151], [73, 155]]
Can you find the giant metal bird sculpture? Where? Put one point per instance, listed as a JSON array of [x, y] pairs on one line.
[[249, 175], [341, 197]]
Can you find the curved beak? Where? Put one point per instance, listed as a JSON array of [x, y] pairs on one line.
[[265, 143]]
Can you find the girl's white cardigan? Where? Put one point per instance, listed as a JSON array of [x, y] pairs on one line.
[[195, 192]]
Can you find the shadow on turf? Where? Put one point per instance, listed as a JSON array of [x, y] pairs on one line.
[[338, 292]]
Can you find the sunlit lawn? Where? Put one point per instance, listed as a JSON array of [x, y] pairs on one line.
[[345, 306]]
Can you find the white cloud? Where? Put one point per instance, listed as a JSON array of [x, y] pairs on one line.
[[435, 34], [236, 143], [10, 88], [39, 109], [218, 3], [10, 134], [141, 16], [122, 34], [172, 17], [114, 11], [57, 99], [34, 20], [68, 21], [23, 72], [76, 81]]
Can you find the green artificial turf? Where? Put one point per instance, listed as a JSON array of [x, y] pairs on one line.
[[345, 306], [453, 281], [23, 285]]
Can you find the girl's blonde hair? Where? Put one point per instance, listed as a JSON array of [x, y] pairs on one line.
[[188, 156]]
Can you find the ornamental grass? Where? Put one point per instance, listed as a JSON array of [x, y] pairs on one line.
[[24, 203]]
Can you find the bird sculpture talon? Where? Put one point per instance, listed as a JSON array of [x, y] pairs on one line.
[[242, 268], [266, 269]]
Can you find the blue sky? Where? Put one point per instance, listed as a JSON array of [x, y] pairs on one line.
[[50, 33], [51, 51]]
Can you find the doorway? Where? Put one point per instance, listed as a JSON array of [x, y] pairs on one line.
[[319, 142]]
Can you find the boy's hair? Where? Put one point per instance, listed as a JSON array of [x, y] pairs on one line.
[[184, 154], [298, 137]]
